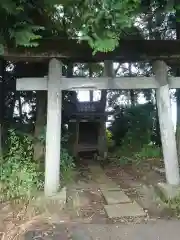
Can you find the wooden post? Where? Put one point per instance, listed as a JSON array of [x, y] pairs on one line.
[[91, 92], [76, 140], [166, 124], [53, 131]]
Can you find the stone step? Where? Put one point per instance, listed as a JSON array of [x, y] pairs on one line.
[[124, 210], [110, 186], [115, 197]]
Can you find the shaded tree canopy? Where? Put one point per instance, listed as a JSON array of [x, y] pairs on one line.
[[102, 23]]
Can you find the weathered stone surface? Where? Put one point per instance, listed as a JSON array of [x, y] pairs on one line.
[[115, 197], [168, 138], [153, 230], [59, 232], [99, 175], [124, 210], [58, 199], [80, 234], [159, 170], [60, 196], [79, 199], [53, 129], [168, 191], [109, 186]]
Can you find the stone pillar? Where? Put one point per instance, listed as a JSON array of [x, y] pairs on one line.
[[166, 124], [41, 102], [53, 131], [1, 103], [108, 72], [102, 141]]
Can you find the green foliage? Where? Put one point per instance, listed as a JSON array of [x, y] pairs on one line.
[[67, 161], [25, 35], [134, 126], [123, 160], [101, 22], [173, 204], [110, 142], [104, 21], [132, 131], [19, 27], [147, 152], [67, 166], [103, 44], [20, 176]]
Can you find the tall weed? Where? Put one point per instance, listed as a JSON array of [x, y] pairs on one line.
[[20, 175]]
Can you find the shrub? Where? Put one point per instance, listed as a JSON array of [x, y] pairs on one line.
[[67, 166], [133, 130], [110, 142], [134, 126], [20, 176], [67, 161], [147, 152]]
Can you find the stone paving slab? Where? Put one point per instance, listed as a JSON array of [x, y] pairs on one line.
[[99, 175], [115, 197], [101, 179], [80, 234], [124, 210], [112, 186], [59, 232]]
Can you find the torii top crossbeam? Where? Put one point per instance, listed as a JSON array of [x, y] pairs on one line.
[[128, 50]]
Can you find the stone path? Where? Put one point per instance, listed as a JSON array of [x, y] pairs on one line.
[[85, 200], [96, 199], [118, 203], [115, 196], [158, 230]]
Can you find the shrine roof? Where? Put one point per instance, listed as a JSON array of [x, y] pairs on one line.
[[128, 50]]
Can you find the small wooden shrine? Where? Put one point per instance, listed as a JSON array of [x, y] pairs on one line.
[[87, 122]]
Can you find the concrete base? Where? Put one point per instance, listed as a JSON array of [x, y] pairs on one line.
[[168, 191], [79, 199], [58, 199], [159, 170]]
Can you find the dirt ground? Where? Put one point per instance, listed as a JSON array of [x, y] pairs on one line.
[[138, 183], [85, 204]]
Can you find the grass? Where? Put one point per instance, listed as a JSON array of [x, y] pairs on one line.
[[174, 205], [18, 218]]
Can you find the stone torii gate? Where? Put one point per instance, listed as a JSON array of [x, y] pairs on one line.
[[54, 83]]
